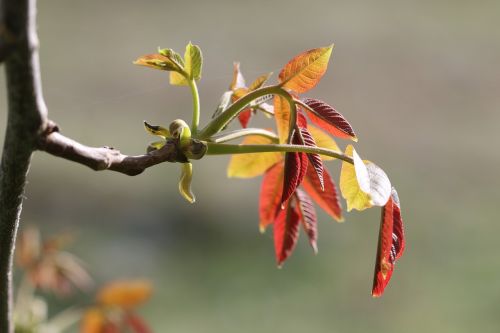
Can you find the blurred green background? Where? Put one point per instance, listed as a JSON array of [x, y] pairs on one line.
[[418, 80]]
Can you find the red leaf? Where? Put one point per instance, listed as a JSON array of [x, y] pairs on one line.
[[390, 244], [286, 233], [110, 327], [136, 323], [308, 217], [244, 117], [269, 200], [301, 119], [306, 139], [295, 170], [329, 119], [327, 199]]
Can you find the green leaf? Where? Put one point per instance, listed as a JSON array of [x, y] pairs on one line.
[[185, 182], [172, 55], [193, 61]]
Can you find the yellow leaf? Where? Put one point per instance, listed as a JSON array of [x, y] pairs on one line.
[[239, 93], [259, 82], [92, 321], [185, 182], [252, 165], [303, 72], [282, 116], [323, 140], [178, 79], [157, 130], [355, 182], [125, 293], [192, 67]]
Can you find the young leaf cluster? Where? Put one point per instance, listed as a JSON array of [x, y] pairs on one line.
[[290, 159]]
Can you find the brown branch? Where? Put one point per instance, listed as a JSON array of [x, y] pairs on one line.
[[104, 158]]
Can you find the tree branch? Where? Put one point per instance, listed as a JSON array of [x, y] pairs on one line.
[[104, 158]]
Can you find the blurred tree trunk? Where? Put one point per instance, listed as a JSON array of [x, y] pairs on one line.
[[26, 119]]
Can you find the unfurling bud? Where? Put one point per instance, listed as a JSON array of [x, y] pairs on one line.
[[178, 127], [180, 130]]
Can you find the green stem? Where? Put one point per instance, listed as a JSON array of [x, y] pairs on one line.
[[196, 106], [219, 122], [228, 136], [225, 149]]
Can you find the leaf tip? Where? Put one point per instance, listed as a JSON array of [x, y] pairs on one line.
[[315, 248]]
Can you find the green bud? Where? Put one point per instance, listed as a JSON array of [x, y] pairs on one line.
[[195, 150], [180, 130]]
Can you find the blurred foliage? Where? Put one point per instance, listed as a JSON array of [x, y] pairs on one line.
[[418, 78]]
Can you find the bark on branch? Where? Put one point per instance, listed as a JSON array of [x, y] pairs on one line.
[[104, 158]]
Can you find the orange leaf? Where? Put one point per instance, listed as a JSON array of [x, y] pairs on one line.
[[286, 233], [391, 244], [282, 116], [303, 72], [327, 199], [125, 293], [93, 321], [157, 61], [269, 199]]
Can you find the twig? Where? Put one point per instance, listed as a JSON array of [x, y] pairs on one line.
[[104, 158]]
